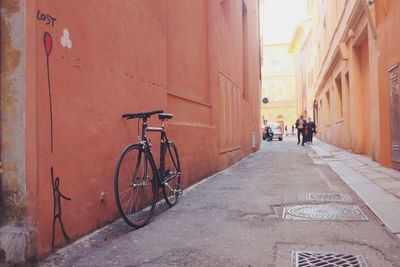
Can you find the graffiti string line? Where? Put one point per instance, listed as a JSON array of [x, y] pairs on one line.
[[48, 45], [51, 106]]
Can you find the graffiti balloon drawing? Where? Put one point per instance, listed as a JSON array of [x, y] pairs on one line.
[[48, 45]]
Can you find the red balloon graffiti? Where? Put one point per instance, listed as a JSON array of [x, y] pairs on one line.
[[48, 43]]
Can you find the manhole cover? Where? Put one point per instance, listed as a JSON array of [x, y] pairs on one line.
[[329, 212], [325, 196], [309, 259]]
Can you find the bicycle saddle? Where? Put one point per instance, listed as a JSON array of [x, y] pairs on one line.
[[165, 116]]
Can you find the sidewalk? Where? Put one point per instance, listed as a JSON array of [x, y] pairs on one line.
[[273, 208], [377, 186]]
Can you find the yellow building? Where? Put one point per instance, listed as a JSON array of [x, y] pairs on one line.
[[278, 85]]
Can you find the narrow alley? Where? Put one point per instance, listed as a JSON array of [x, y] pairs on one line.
[[101, 102], [246, 215]]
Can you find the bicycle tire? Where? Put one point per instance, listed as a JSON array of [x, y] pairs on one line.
[[133, 182], [172, 168]]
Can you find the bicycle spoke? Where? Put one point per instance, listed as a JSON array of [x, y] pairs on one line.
[[128, 204], [133, 187], [123, 193]]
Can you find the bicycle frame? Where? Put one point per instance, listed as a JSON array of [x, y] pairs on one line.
[[163, 146]]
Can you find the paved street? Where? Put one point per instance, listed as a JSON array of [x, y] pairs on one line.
[[235, 218]]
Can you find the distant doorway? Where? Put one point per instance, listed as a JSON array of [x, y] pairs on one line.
[[395, 115], [1, 170], [281, 120]]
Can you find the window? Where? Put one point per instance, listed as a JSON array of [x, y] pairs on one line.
[[347, 92], [276, 65], [328, 108], [339, 96], [320, 110]]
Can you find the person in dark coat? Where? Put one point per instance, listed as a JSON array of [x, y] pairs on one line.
[[300, 126], [311, 129]]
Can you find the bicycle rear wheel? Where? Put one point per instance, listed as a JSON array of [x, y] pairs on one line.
[[172, 175], [135, 186]]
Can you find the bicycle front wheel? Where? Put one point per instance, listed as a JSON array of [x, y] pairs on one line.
[[172, 175], [135, 186]]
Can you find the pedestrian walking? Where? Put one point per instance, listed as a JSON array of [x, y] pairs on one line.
[[306, 134], [286, 131], [311, 129], [300, 126], [292, 130]]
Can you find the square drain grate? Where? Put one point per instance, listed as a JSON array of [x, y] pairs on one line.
[[325, 197], [324, 212], [310, 259]]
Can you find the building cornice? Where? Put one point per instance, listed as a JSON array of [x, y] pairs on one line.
[[333, 54]]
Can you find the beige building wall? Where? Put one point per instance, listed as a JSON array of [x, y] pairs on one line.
[[279, 84]]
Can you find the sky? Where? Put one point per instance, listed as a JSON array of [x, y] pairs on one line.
[[280, 18]]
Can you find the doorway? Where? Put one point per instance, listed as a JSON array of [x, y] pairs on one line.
[[395, 115]]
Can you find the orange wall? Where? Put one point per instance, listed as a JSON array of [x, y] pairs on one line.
[[367, 64], [387, 20], [183, 56], [355, 51]]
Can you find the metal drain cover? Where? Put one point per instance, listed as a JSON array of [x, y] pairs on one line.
[[325, 196], [328, 212], [309, 259]]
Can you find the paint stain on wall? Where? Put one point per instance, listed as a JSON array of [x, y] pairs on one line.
[[66, 40], [10, 6]]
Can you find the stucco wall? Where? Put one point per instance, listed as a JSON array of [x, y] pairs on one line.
[[387, 20], [105, 59], [12, 124], [353, 55]]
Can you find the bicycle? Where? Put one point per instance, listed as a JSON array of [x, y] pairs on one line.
[[137, 178]]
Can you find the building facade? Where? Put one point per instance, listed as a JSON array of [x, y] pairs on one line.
[[278, 85], [302, 45], [69, 69], [356, 94]]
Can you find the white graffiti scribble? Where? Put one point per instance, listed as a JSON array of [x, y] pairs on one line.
[[65, 40]]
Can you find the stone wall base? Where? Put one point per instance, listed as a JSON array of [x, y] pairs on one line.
[[14, 243]]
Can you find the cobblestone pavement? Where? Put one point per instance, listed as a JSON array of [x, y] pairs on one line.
[[259, 212]]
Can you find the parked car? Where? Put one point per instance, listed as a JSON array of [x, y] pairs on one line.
[[276, 131]]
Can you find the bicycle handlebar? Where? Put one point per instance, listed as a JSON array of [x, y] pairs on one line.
[[141, 115]]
